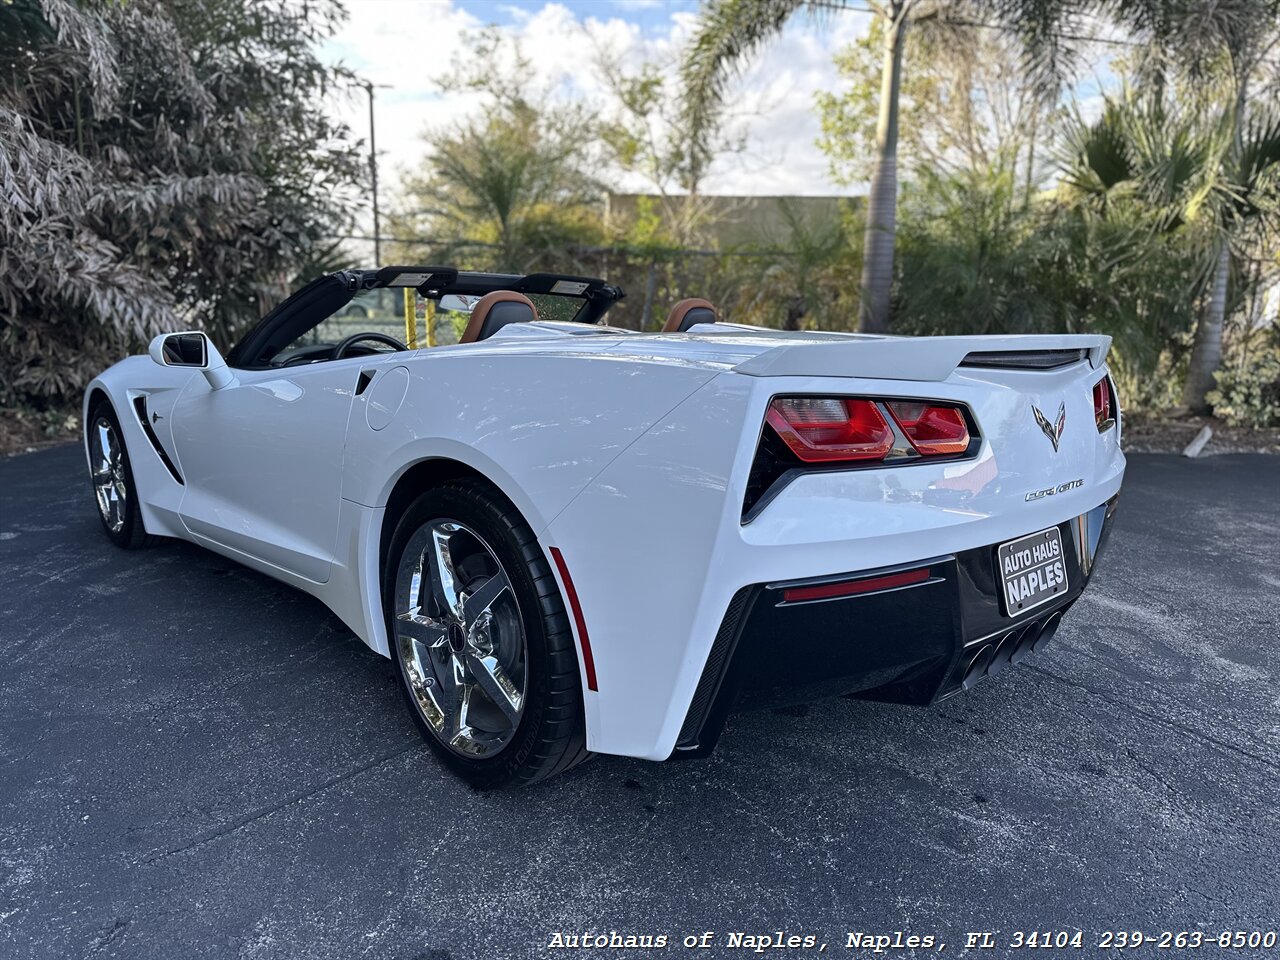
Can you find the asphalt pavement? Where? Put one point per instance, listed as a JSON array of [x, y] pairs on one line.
[[196, 761]]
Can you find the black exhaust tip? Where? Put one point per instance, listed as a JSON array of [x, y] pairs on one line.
[[1004, 651], [1026, 642], [977, 668], [1047, 631]]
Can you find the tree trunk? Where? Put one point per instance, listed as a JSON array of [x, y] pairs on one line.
[[1031, 158], [1206, 352], [795, 313], [650, 290], [882, 201]]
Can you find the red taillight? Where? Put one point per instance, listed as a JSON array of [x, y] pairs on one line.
[[933, 430], [823, 429], [1102, 403]]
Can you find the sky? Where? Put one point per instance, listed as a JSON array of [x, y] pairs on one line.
[[405, 46]]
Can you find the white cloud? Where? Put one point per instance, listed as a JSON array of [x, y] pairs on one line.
[[407, 46]]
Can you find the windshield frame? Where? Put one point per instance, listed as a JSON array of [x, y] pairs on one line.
[[321, 299]]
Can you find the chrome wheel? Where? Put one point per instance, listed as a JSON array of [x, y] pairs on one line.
[[106, 453], [460, 638]]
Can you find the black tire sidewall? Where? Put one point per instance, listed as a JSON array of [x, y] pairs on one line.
[[130, 533], [473, 506]]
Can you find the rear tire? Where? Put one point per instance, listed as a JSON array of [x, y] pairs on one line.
[[111, 475], [484, 651]]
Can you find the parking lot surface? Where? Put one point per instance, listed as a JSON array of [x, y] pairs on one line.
[[196, 761]]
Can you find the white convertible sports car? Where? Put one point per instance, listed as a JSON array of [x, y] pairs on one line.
[[575, 538]]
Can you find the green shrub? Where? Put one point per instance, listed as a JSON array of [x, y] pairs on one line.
[[1146, 387], [1248, 393], [164, 165]]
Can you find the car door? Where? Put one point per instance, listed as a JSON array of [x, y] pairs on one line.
[[262, 460]]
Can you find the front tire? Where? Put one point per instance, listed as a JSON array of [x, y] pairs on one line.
[[112, 478], [481, 640]]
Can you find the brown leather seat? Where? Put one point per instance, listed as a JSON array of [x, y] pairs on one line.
[[688, 312], [494, 311]]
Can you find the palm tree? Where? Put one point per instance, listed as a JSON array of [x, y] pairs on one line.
[[1181, 182], [1234, 206], [510, 184], [730, 30], [1217, 46], [1128, 183]]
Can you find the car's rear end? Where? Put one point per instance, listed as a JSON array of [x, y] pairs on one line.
[[891, 518]]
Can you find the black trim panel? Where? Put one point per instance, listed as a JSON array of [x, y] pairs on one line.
[[140, 408], [914, 643], [1024, 359], [707, 709]]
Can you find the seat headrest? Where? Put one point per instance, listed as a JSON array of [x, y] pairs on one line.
[[494, 311], [688, 312]]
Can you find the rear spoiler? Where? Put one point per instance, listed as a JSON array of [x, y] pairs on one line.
[[923, 358]]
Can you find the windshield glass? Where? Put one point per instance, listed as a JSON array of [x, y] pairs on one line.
[[551, 306], [384, 310], [380, 310]]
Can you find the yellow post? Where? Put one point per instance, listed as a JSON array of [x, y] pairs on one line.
[[431, 323], [410, 321]]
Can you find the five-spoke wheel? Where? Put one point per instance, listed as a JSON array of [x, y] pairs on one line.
[[459, 638], [480, 638], [112, 478], [106, 454]]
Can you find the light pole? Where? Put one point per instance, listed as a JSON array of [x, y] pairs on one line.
[[373, 178]]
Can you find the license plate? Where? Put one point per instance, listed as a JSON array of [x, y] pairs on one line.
[[1033, 570]]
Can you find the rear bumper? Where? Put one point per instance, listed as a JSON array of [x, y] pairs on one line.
[[936, 634]]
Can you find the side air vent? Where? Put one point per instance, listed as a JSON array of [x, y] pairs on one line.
[[140, 407], [694, 732], [1024, 359]]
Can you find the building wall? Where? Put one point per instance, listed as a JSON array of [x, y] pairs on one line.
[[736, 221]]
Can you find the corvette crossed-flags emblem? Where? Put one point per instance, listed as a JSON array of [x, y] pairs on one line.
[[1052, 430]]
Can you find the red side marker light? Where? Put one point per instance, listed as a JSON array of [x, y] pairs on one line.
[[588, 661], [849, 588], [1101, 403]]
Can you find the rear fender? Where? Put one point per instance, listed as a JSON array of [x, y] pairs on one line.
[[657, 546]]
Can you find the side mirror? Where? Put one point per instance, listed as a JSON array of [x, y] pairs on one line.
[[192, 350]]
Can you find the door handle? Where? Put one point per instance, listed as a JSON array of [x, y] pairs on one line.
[[366, 377]]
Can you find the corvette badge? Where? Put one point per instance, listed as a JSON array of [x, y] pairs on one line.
[[1052, 430]]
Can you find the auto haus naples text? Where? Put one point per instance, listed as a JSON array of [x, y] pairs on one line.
[[1035, 569], [758, 943]]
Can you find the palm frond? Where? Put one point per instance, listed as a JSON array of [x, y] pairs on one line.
[[1093, 157], [1046, 29], [1258, 167], [1194, 34], [728, 31]]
